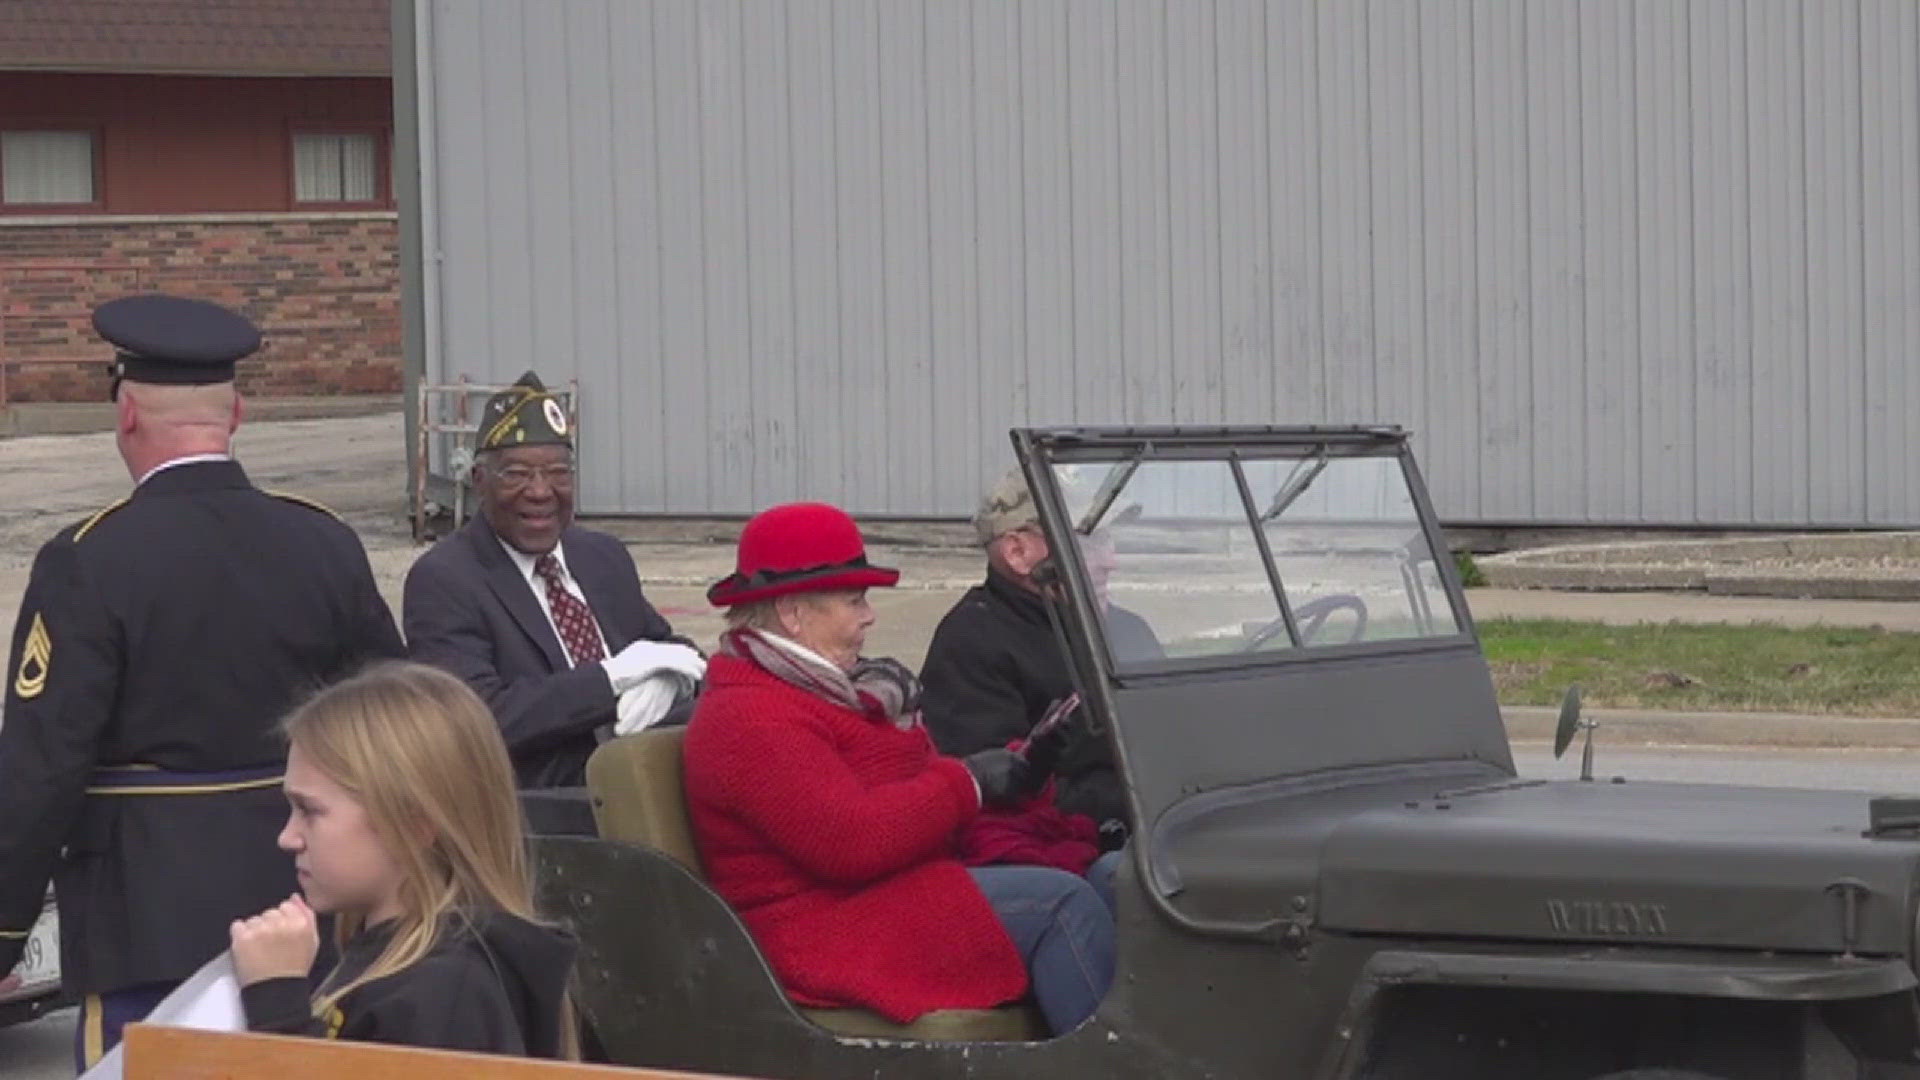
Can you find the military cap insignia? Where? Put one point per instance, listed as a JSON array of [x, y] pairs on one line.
[[35, 661], [523, 414]]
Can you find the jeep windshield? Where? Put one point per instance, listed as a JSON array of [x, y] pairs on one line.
[[1198, 555]]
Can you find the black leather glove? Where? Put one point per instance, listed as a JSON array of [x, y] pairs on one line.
[[1043, 751], [1005, 778]]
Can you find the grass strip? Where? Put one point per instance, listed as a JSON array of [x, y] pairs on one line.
[[1690, 667]]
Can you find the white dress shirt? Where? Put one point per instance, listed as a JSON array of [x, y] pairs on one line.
[[190, 459], [539, 586]]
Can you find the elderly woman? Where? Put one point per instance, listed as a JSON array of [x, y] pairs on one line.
[[827, 819]]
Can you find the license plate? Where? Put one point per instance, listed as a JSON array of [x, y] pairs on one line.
[[39, 967]]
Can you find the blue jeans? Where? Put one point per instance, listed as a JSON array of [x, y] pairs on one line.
[[1062, 929], [1100, 876]]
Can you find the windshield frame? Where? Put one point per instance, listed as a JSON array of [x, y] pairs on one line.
[[1039, 450]]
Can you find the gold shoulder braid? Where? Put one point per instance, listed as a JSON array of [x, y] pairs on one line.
[[87, 527], [36, 660], [306, 502]]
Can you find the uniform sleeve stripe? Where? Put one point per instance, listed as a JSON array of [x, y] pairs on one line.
[[14, 934]]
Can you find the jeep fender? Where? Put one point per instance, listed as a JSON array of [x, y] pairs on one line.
[[1608, 974]]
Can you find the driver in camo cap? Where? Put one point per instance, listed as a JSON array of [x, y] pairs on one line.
[[995, 667]]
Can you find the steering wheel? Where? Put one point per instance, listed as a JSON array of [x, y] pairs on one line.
[[1311, 616]]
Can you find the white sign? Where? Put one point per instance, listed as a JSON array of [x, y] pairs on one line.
[[209, 1001]]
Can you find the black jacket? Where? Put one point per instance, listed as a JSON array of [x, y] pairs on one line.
[[468, 609], [493, 983], [993, 669], [159, 645]]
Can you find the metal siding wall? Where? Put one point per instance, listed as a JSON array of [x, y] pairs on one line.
[[1663, 274], [1614, 262], [1890, 83], [1778, 263]]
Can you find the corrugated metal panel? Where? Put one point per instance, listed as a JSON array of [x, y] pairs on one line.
[[1663, 275], [1723, 276], [1890, 88], [1777, 264], [1609, 376], [1635, 263], [1506, 459]]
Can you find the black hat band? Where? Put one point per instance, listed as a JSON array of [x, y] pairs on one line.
[[763, 578], [133, 367]]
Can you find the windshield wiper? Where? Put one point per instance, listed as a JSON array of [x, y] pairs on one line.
[[1108, 491], [1296, 484]]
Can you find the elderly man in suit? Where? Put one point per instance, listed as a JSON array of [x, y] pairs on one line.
[[544, 619]]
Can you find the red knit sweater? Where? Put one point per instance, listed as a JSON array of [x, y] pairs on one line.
[[833, 835]]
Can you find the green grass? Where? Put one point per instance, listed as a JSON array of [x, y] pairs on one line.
[[1706, 668], [1470, 575]]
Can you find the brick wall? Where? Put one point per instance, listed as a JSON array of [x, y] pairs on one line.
[[324, 289]]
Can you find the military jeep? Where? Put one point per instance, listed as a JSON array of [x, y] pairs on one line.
[[1334, 871]]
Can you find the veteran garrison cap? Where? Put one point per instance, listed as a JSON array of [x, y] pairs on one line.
[[523, 414], [173, 339]]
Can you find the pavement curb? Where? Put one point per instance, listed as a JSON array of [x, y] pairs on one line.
[[1780, 731], [1875, 566]]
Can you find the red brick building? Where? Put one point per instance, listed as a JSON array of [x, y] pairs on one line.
[[238, 150]]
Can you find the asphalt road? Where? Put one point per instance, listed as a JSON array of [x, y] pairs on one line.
[[1879, 772], [42, 1050]]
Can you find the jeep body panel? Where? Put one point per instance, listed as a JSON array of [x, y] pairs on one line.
[[1334, 871], [1674, 864]]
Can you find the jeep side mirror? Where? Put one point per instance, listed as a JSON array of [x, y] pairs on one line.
[[1571, 722]]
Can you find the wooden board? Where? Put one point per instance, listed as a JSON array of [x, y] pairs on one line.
[[165, 1053]]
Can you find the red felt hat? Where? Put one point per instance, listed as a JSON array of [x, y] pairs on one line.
[[799, 547]]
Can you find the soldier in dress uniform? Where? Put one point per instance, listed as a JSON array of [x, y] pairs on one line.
[[159, 643]]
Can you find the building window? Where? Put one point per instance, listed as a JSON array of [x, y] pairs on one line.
[[332, 167], [46, 168]]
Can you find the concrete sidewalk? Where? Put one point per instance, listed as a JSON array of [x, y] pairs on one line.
[[1626, 609]]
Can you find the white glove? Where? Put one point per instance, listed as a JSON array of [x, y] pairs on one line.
[[645, 705], [631, 666]]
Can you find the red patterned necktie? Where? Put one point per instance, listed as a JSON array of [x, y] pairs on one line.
[[578, 632]]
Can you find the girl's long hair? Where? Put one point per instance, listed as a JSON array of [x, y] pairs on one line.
[[422, 754]]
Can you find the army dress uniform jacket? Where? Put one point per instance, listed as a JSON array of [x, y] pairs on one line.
[[159, 645], [468, 610]]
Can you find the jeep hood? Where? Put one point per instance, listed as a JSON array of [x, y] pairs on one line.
[[1653, 863]]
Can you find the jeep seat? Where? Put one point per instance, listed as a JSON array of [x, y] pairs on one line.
[[638, 798]]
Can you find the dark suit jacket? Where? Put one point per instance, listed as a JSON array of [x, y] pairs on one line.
[[467, 609]]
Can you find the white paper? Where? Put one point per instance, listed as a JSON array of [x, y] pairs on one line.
[[209, 1001]]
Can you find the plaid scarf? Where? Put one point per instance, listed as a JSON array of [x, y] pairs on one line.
[[882, 688]]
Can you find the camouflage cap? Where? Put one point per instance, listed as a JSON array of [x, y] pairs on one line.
[[1008, 505], [523, 414]]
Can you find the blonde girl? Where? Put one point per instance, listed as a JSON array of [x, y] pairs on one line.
[[404, 826]]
